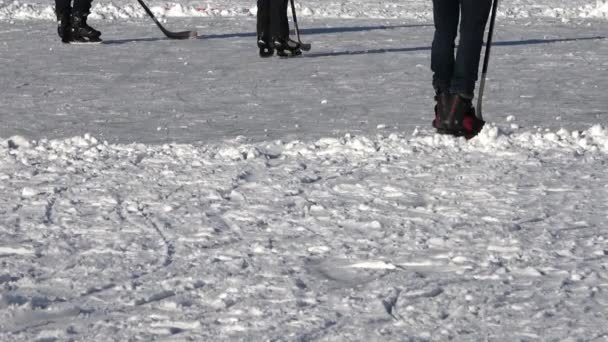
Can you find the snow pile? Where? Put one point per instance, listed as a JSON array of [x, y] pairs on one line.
[[426, 235], [111, 11], [599, 11], [491, 139], [412, 10], [17, 10]]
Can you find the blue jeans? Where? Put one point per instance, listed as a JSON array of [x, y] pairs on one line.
[[458, 75]]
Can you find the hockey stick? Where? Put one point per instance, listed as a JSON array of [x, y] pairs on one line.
[[304, 46], [486, 60], [169, 34]]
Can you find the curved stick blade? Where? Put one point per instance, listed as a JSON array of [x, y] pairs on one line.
[[181, 35], [305, 46]]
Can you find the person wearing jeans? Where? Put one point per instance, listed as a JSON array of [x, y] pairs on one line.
[[455, 75]]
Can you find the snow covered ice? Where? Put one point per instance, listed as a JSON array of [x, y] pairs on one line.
[[162, 190]]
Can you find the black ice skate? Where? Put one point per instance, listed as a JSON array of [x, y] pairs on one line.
[[81, 32], [265, 46], [63, 27], [286, 47]]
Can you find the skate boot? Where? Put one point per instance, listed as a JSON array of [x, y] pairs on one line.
[[64, 30], [265, 46], [459, 117], [441, 103], [286, 47], [81, 32]]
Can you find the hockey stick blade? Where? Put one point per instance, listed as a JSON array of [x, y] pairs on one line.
[[305, 46], [169, 34], [181, 35]]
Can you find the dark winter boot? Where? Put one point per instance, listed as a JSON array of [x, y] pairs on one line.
[[285, 44], [81, 32], [441, 104], [63, 26], [265, 46], [458, 117], [471, 124]]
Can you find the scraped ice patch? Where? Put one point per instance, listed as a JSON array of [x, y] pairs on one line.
[[379, 265], [9, 250]]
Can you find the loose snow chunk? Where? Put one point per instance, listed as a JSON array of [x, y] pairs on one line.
[[379, 265], [318, 249], [230, 153], [529, 271], [374, 225], [15, 250], [28, 192], [503, 249], [18, 141], [459, 259]]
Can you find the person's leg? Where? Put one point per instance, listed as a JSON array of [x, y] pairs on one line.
[[63, 10], [445, 16], [263, 29], [62, 6], [263, 19], [280, 28], [284, 23], [82, 6], [474, 16]]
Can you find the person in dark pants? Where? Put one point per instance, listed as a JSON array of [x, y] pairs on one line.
[[454, 77], [273, 29], [72, 22]]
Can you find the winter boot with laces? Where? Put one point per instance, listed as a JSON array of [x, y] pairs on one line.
[[460, 117], [441, 103], [455, 115]]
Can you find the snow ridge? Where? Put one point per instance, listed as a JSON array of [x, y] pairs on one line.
[[411, 10], [202, 240], [491, 139]]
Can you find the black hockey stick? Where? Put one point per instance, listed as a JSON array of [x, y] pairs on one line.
[[169, 34], [486, 60], [303, 46]]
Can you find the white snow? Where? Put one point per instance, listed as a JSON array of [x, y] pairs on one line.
[[391, 9], [189, 190]]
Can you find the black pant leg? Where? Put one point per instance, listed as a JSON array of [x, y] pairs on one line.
[[474, 16], [445, 17], [284, 21], [82, 6], [279, 26], [263, 19], [63, 7]]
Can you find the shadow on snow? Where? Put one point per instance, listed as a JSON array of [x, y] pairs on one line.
[[310, 31], [428, 48], [330, 30]]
